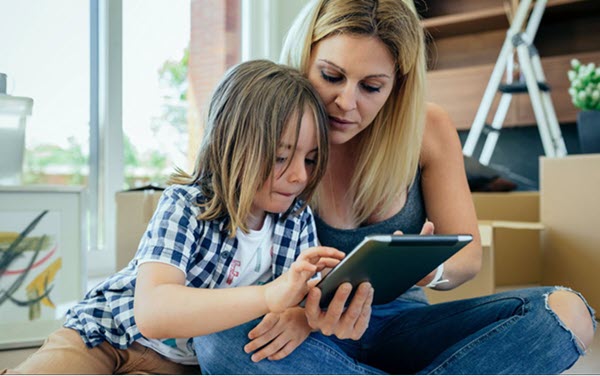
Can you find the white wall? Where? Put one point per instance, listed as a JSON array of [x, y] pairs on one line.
[[264, 25]]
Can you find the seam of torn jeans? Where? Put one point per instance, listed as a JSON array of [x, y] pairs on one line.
[[583, 350]]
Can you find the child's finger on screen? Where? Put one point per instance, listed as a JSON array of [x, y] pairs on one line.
[[327, 262], [301, 266], [313, 254]]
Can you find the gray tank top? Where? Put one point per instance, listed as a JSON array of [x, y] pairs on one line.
[[409, 220]]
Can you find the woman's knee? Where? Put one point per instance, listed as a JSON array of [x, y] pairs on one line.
[[575, 315]]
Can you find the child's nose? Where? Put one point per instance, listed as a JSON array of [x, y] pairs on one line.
[[297, 172]]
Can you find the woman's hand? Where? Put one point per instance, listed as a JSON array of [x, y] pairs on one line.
[[278, 334], [291, 287], [343, 323], [351, 322]]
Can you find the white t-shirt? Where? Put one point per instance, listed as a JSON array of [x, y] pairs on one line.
[[253, 258]]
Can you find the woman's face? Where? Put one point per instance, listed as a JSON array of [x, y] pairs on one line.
[[354, 76]]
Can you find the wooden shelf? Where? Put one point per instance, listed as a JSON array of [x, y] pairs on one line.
[[495, 17], [467, 22], [460, 90], [467, 36]]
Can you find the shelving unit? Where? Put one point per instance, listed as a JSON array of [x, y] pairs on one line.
[[465, 37]]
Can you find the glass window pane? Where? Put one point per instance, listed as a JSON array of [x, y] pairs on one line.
[[156, 35], [45, 55]]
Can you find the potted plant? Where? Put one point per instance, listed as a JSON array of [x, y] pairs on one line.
[[585, 94]]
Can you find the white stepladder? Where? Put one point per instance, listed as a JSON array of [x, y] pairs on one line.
[[535, 85]]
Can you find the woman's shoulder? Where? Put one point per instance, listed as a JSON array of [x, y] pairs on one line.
[[440, 135], [437, 120]]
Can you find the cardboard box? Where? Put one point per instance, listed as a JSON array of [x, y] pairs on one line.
[[507, 206], [570, 209], [134, 210], [510, 238]]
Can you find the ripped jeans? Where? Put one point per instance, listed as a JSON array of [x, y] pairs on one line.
[[514, 332]]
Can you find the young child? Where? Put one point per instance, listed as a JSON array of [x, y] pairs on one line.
[[220, 248]]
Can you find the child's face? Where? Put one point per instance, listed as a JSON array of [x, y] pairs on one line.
[[281, 188]]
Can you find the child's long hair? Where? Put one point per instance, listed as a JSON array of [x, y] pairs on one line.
[[388, 154], [247, 116]]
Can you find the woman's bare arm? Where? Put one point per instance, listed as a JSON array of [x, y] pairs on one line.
[[447, 196]]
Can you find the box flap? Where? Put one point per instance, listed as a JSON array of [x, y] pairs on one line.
[[486, 228]]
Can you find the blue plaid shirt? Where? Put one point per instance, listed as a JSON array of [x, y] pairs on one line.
[[201, 249]]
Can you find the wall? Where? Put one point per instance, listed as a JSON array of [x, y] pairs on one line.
[[264, 26]]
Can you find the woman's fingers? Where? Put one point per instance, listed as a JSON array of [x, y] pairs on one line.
[[327, 321], [427, 228], [365, 316], [355, 319], [343, 323], [311, 307]]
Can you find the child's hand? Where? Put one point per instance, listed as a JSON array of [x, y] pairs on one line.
[[278, 335], [289, 289]]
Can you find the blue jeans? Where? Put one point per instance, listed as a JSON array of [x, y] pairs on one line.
[[509, 333]]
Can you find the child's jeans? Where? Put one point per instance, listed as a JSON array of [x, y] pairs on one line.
[[509, 333], [64, 352]]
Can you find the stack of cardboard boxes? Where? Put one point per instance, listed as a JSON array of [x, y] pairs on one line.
[[510, 237], [546, 238], [528, 238]]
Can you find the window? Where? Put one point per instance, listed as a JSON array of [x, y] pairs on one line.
[[117, 88], [156, 37], [46, 58]]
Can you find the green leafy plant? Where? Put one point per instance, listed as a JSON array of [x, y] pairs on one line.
[[585, 85]]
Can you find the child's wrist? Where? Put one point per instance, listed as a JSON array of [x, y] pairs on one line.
[[268, 296], [264, 290]]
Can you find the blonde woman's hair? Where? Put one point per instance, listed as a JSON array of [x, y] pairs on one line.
[[250, 109], [393, 141]]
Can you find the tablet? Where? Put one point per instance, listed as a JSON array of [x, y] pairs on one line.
[[391, 263]]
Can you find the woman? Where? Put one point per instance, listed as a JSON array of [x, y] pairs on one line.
[[395, 164]]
